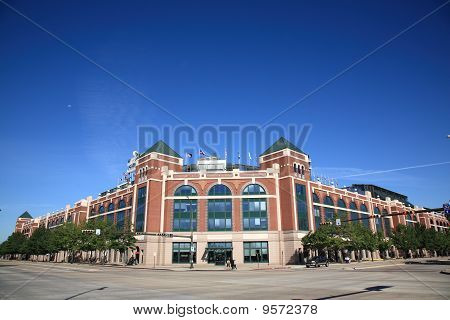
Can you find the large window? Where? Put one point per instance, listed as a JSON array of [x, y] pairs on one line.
[[329, 212], [353, 214], [254, 210], [378, 227], [219, 210], [387, 224], [185, 191], [366, 216], [185, 209], [302, 209], [342, 214], [317, 217], [140, 210], [256, 251], [111, 207], [120, 220], [101, 209], [253, 189], [181, 252]]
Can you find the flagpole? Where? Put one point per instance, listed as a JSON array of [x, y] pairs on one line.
[[239, 161]]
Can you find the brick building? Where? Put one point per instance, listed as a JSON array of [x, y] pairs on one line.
[[252, 214]]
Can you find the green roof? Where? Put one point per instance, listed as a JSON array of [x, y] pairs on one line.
[[161, 147], [26, 215], [281, 144]]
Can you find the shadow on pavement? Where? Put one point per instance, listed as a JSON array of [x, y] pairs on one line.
[[79, 294], [369, 289]]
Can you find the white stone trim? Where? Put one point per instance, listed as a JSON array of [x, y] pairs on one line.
[[263, 196]]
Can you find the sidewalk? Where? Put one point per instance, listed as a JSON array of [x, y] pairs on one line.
[[242, 267], [390, 262], [207, 267]]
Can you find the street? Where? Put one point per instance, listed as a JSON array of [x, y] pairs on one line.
[[382, 280]]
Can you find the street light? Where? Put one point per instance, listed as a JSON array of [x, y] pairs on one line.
[[191, 251]]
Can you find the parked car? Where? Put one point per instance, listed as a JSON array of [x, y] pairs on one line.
[[318, 261]]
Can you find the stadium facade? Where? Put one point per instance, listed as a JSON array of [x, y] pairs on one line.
[[249, 214]]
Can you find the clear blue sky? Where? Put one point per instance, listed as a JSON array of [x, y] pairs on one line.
[[212, 62]]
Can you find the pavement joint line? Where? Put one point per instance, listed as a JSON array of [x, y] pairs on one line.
[[371, 267], [424, 283], [6, 296]]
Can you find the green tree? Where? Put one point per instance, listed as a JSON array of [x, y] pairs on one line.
[[122, 240], [42, 242], [383, 243], [404, 238], [442, 243], [355, 233], [68, 239], [15, 244]]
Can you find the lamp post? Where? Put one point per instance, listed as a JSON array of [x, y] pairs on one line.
[[191, 251]]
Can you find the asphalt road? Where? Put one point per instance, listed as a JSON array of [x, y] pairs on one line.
[[389, 280]]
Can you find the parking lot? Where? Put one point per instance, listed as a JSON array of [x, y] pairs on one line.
[[382, 280]]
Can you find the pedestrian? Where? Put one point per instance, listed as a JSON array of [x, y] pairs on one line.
[[136, 260], [228, 264], [233, 264]]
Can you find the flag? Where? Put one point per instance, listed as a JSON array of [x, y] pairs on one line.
[[225, 154], [188, 155], [239, 155], [202, 153], [249, 156]]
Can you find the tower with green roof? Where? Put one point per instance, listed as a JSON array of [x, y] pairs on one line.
[[288, 158], [25, 215]]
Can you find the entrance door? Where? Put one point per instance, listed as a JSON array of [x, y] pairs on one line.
[[219, 257], [218, 252]]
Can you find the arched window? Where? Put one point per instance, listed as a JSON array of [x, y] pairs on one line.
[[342, 214], [185, 209], [111, 206], [101, 209], [120, 218], [252, 189], [316, 198], [353, 214], [185, 191], [377, 220], [317, 216], [295, 167], [254, 210], [386, 223], [219, 210], [365, 222], [329, 212]]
